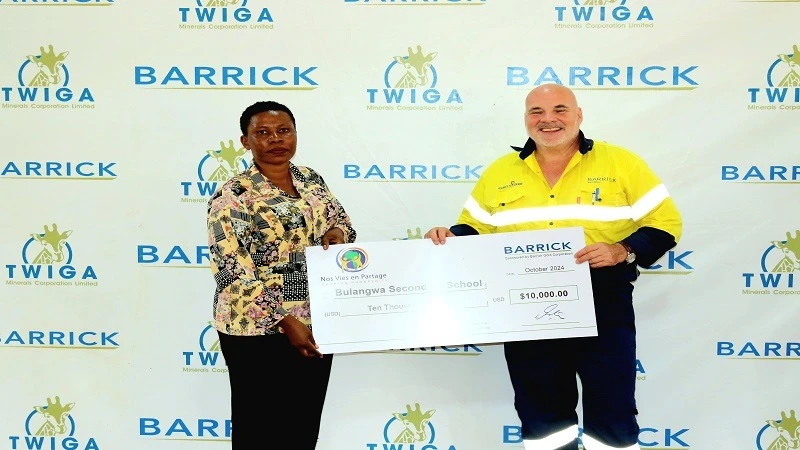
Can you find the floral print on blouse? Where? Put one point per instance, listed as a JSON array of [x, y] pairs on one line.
[[257, 235]]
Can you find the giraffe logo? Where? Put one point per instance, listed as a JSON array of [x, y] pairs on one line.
[[226, 161], [221, 3], [779, 264], [782, 89], [47, 260], [413, 428], [52, 425], [352, 259], [783, 71], [47, 69], [783, 434], [215, 167], [48, 248], [411, 82], [413, 70], [610, 13], [43, 77], [417, 234]]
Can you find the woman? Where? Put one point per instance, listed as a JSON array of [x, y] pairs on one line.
[[259, 224]]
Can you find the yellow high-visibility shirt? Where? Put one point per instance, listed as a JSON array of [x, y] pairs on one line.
[[608, 190]]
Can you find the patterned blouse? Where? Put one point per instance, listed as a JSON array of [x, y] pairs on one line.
[[257, 235]]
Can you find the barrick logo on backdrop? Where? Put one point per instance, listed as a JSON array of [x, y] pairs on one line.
[[214, 169], [414, 173], [410, 430], [175, 256], [781, 434], [668, 438], [224, 15], [47, 260], [209, 356], [673, 263], [57, 2], [761, 174], [789, 351], [43, 82], [249, 78], [52, 427], [603, 14], [411, 83], [637, 78], [779, 262], [178, 429], [59, 170], [74, 340], [782, 91]]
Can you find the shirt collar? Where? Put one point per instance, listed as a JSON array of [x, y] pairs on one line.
[[586, 145]]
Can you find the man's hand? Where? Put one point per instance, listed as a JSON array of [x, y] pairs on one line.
[[438, 234], [333, 236], [300, 337], [601, 255]]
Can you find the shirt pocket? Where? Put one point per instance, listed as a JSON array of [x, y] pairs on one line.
[[611, 210], [506, 200]]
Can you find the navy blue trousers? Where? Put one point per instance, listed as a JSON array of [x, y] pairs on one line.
[[543, 372]]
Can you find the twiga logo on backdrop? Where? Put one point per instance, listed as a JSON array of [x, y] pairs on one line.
[[411, 83], [224, 15], [781, 434], [43, 82], [778, 262], [215, 168], [51, 426], [47, 260], [782, 90], [603, 14], [209, 356], [412, 430]]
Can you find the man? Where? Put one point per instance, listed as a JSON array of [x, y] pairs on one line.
[[562, 179]]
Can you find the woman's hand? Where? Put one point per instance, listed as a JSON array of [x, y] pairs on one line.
[[300, 337], [333, 236]]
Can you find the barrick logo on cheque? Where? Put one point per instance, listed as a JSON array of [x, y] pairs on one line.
[[783, 85], [43, 82], [215, 168], [779, 262], [412, 84], [781, 434], [411, 430], [51, 427], [47, 260], [224, 15], [600, 14]]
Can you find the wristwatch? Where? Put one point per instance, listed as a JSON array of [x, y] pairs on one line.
[[631, 257]]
